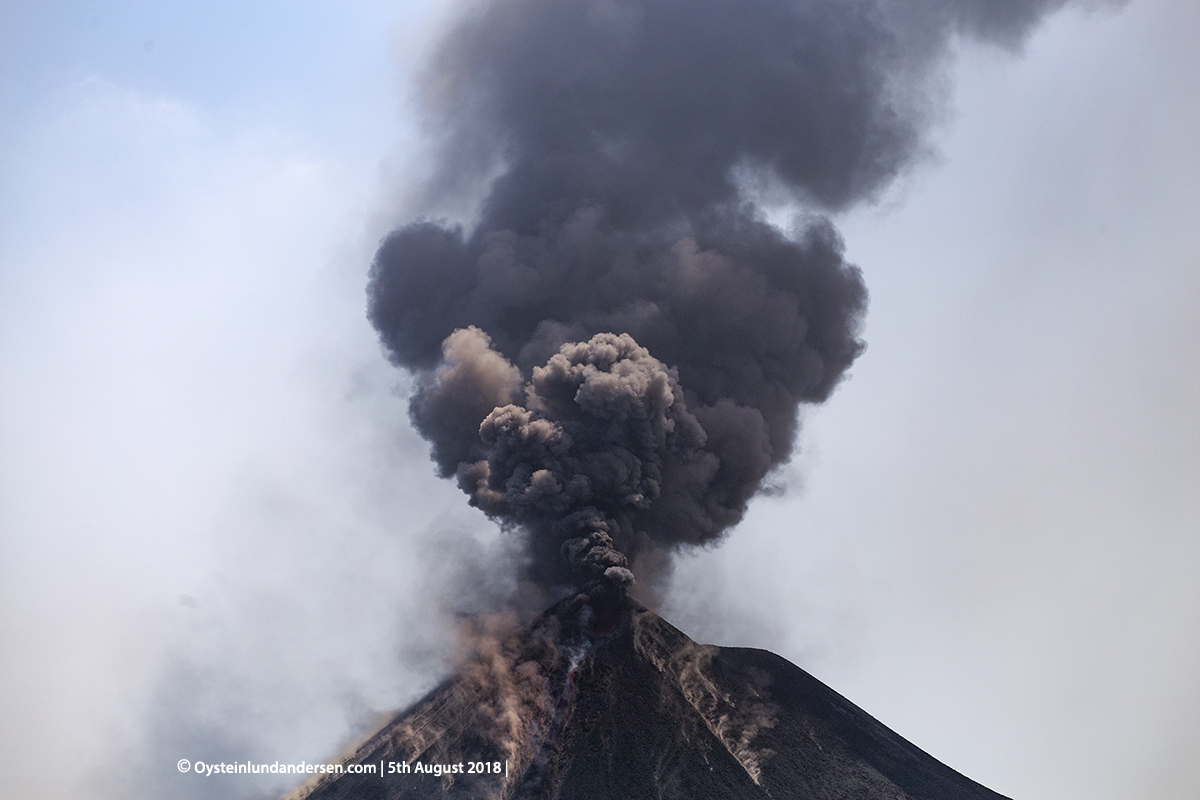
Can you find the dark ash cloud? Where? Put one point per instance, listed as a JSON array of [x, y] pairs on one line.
[[612, 357]]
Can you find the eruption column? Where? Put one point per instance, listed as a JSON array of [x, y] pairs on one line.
[[611, 359]]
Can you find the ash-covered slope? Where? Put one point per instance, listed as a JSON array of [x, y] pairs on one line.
[[601, 698]]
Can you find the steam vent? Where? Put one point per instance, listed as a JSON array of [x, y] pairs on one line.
[[601, 698]]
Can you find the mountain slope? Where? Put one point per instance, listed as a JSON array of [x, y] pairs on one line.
[[600, 698]]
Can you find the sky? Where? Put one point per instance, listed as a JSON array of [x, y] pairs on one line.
[[221, 539]]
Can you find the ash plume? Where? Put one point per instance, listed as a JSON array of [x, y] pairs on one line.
[[611, 358]]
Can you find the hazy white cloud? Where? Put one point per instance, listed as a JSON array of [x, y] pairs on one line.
[[204, 541]]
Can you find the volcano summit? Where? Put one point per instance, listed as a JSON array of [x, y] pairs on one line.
[[601, 698]]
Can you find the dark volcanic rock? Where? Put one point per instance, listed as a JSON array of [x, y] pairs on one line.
[[600, 698]]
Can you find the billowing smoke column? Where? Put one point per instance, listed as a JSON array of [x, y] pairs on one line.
[[612, 358]]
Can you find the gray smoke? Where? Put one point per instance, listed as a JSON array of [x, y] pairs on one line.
[[603, 451], [611, 359]]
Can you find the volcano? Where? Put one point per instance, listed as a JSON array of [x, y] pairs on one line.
[[601, 698]]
